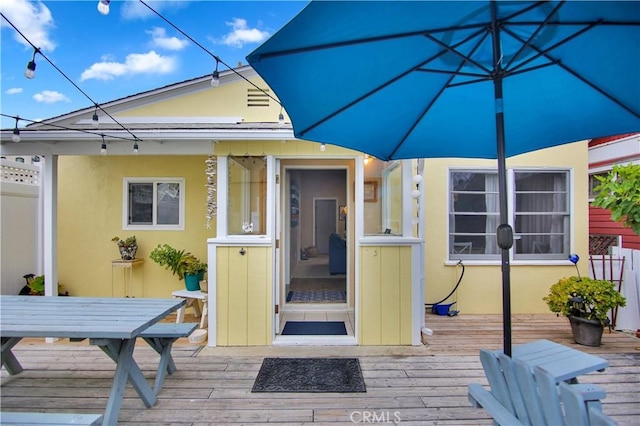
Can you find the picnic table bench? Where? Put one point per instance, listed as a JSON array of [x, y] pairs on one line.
[[22, 418], [531, 387]]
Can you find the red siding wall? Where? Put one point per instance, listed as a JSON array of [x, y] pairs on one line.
[[600, 223]]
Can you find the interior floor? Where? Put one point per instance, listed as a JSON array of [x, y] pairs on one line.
[[313, 274]]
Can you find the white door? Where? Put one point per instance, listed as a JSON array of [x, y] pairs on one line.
[[324, 218]]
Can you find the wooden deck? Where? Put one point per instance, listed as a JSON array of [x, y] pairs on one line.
[[424, 385]]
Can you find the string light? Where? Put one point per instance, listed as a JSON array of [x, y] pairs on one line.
[[103, 147], [95, 120], [322, 147], [16, 132], [135, 147], [215, 77], [32, 67], [367, 159], [30, 72], [281, 117], [103, 6]]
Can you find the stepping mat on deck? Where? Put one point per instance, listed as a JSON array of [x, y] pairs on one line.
[[317, 296], [310, 375], [302, 328]]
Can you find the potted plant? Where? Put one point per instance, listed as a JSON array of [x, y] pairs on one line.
[[181, 263], [128, 247], [586, 302]]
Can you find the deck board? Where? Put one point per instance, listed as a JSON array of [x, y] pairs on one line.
[[425, 385]]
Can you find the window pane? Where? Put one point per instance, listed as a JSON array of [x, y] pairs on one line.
[[473, 214], [542, 215], [168, 203], [140, 204], [383, 198], [247, 196]]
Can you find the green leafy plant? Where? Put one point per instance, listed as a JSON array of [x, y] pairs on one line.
[[178, 262], [127, 242], [619, 192], [584, 297]]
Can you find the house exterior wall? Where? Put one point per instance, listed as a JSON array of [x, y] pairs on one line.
[[90, 203], [385, 314], [222, 101], [244, 301], [480, 291]]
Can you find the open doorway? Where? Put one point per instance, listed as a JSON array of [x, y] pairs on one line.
[[315, 285], [318, 265]]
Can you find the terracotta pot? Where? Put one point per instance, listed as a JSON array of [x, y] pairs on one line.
[[586, 332]]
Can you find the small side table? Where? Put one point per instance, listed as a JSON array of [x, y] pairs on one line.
[[126, 266], [192, 300]]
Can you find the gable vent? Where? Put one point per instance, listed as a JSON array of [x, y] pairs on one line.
[[257, 98]]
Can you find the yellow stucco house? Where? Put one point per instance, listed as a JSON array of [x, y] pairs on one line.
[[217, 173]]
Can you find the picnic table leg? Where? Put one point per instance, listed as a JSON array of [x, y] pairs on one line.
[[126, 369], [167, 365], [9, 360]]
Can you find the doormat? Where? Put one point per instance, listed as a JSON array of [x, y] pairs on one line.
[[317, 296], [302, 328], [310, 375]]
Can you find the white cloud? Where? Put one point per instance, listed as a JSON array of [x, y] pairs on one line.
[[135, 63], [13, 91], [160, 39], [50, 97], [241, 34], [33, 19]]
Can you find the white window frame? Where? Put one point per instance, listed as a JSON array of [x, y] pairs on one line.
[[155, 181], [528, 258]]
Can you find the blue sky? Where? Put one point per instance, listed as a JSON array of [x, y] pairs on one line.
[[128, 51]]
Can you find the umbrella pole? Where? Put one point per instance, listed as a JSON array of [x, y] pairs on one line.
[[505, 244]]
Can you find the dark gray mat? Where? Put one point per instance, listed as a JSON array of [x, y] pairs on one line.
[[323, 328], [310, 375]]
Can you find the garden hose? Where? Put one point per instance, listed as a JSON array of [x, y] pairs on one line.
[[454, 288]]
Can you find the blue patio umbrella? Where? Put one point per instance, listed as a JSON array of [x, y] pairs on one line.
[[474, 79]]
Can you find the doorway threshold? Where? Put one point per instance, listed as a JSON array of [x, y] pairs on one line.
[[314, 341]]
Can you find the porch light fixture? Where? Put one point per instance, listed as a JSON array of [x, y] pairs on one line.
[[322, 147], [367, 159], [16, 132], [103, 147], [95, 120], [135, 147], [30, 72], [215, 77], [103, 6]]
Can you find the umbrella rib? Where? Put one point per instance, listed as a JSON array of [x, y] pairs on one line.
[[559, 63], [433, 101], [467, 58], [533, 35], [387, 83], [546, 51]]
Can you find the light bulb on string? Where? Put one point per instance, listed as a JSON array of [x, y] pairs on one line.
[[215, 77], [30, 72], [281, 117], [323, 147], [16, 132], [103, 6], [135, 147], [103, 147], [95, 120]]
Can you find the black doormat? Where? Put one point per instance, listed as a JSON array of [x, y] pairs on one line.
[[315, 328], [310, 375]]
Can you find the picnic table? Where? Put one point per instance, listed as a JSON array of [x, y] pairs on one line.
[[113, 324]]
